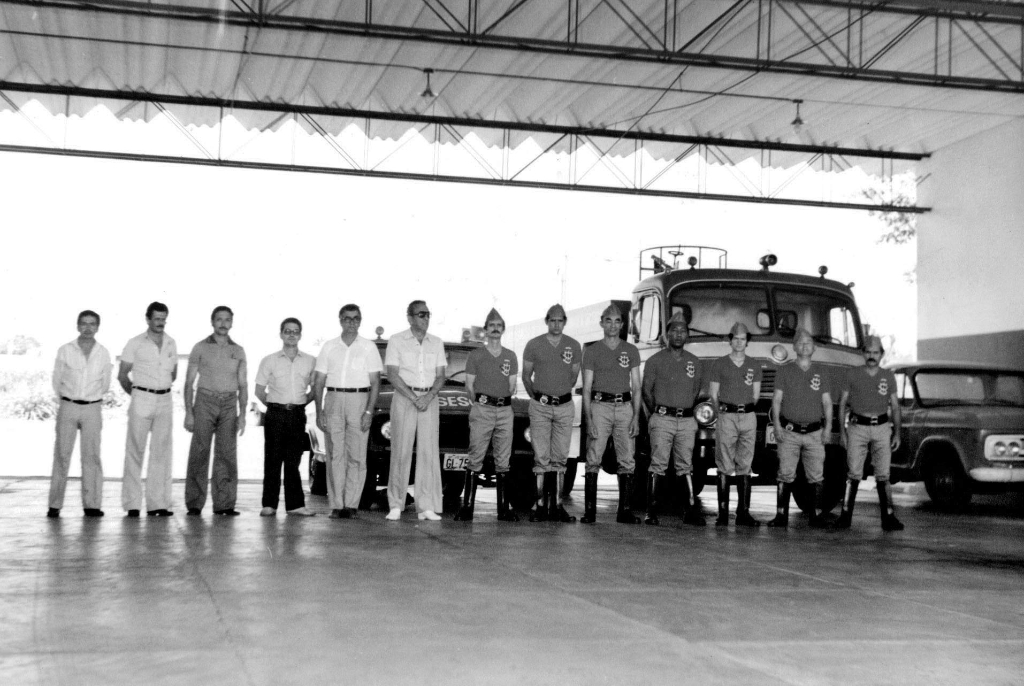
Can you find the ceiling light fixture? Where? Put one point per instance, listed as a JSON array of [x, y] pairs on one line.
[[428, 92], [797, 123]]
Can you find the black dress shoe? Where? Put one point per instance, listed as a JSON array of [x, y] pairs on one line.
[[230, 512], [93, 512], [53, 513], [133, 513], [194, 511], [159, 513]]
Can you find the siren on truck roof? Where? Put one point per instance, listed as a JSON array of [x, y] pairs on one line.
[[769, 260]]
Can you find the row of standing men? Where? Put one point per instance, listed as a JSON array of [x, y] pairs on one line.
[[344, 380]]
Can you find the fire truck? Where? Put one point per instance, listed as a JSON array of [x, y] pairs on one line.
[[697, 281]]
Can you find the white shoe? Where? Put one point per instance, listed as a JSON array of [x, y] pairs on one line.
[[268, 512], [302, 512], [429, 514], [394, 515]]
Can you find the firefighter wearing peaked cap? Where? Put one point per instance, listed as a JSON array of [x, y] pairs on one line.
[[735, 385], [672, 380], [611, 405], [491, 372], [551, 365]]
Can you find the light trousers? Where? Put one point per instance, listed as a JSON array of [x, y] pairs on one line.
[[71, 419], [346, 448], [150, 417], [551, 435], [410, 426]]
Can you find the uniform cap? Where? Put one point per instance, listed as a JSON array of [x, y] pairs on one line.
[[493, 316], [555, 310], [611, 310], [873, 339], [677, 320], [738, 328], [802, 333]]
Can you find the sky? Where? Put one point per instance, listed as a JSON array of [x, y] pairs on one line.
[[113, 235]]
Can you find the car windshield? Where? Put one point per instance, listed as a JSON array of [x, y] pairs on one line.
[[455, 371], [970, 388], [778, 311]]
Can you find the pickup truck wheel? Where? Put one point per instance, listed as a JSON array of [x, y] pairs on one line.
[[945, 481]]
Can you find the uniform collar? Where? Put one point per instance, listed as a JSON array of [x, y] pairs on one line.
[[213, 341]]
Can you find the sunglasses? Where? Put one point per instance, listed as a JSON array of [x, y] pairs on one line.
[[422, 315]]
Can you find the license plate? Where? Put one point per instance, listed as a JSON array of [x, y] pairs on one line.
[[769, 435], [455, 463]]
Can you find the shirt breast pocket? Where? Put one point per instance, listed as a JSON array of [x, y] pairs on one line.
[[409, 359]]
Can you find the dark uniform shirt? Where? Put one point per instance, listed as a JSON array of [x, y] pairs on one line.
[[492, 373], [736, 384], [611, 367], [801, 392], [675, 382], [869, 395], [552, 364]]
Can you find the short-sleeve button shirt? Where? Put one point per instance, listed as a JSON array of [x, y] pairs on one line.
[[287, 380], [675, 382], [552, 364], [492, 373], [152, 367], [736, 383], [611, 367], [217, 364], [869, 395], [802, 391], [417, 362], [349, 366], [79, 377]]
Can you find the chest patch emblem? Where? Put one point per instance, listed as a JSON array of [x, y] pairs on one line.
[[624, 360], [883, 387], [690, 370], [506, 368], [748, 378], [567, 356], [816, 383]]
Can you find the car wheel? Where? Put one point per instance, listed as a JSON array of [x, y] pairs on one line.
[[945, 481]]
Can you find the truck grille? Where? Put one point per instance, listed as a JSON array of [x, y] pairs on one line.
[[767, 383]]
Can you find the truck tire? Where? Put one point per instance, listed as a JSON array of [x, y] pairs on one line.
[[835, 482], [452, 485], [945, 481]]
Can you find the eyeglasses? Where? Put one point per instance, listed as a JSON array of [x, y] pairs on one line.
[[292, 332], [425, 314], [352, 320]]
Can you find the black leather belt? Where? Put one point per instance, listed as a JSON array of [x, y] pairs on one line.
[[798, 428], [491, 400], [288, 407], [666, 411], [868, 420], [364, 389], [152, 390], [616, 398], [735, 409], [545, 399], [418, 390], [81, 402]]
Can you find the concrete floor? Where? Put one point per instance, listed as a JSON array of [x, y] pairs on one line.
[[284, 600]]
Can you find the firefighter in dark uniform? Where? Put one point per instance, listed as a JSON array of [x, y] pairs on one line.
[[611, 404], [491, 373], [802, 416], [672, 380], [874, 424]]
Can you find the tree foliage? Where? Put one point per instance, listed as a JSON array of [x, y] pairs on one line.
[[899, 191]]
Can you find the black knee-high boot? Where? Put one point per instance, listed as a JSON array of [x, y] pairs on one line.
[[589, 499], [505, 511], [465, 513], [782, 506], [723, 500], [743, 517], [652, 499], [846, 516]]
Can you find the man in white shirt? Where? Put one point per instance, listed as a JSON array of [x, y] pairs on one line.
[[81, 377], [349, 368], [284, 384], [149, 365], [415, 362]]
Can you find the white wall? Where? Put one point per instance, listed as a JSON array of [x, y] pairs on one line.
[[971, 250]]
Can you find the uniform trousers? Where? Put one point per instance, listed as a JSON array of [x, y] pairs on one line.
[[672, 436], [551, 435], [735, 434], [611, 420], [489, 425], [216, 419], [409, 426], [346, 448], [70, 419], [877, 439], [794, 447], [150, 417], [284, 434]]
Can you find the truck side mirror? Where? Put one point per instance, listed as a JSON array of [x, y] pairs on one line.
[[764, 320]]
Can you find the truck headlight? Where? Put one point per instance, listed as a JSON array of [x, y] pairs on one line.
[[385, 430], [999, 449], [705, 413], [1013, 448]]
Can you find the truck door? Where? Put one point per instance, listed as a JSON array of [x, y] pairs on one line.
[[647, 323]]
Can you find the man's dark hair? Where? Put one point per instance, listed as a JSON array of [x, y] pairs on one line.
[[87, 313], [291, 320], [412, 306], [351, 307], [156, 307], [221, 308]]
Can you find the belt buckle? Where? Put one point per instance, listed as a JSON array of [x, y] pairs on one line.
[[544, 399], [482, 399], [789, 426], [618, 399], [662, 411], [679, 412], [741, 409], [874, 421]]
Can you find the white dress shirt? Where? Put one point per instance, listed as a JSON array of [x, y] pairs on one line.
[[78, 377], [417, 362], [287, 380], [349, 366], [152, 367]]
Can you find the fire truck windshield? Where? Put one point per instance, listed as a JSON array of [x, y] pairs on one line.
[[773, 310]]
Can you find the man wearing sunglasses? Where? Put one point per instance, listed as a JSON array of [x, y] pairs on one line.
[[349, 368], [415, 362]]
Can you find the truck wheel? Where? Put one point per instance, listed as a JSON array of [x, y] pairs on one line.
[[945, 481], [835, 482], [522, 485], [452, 484]]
